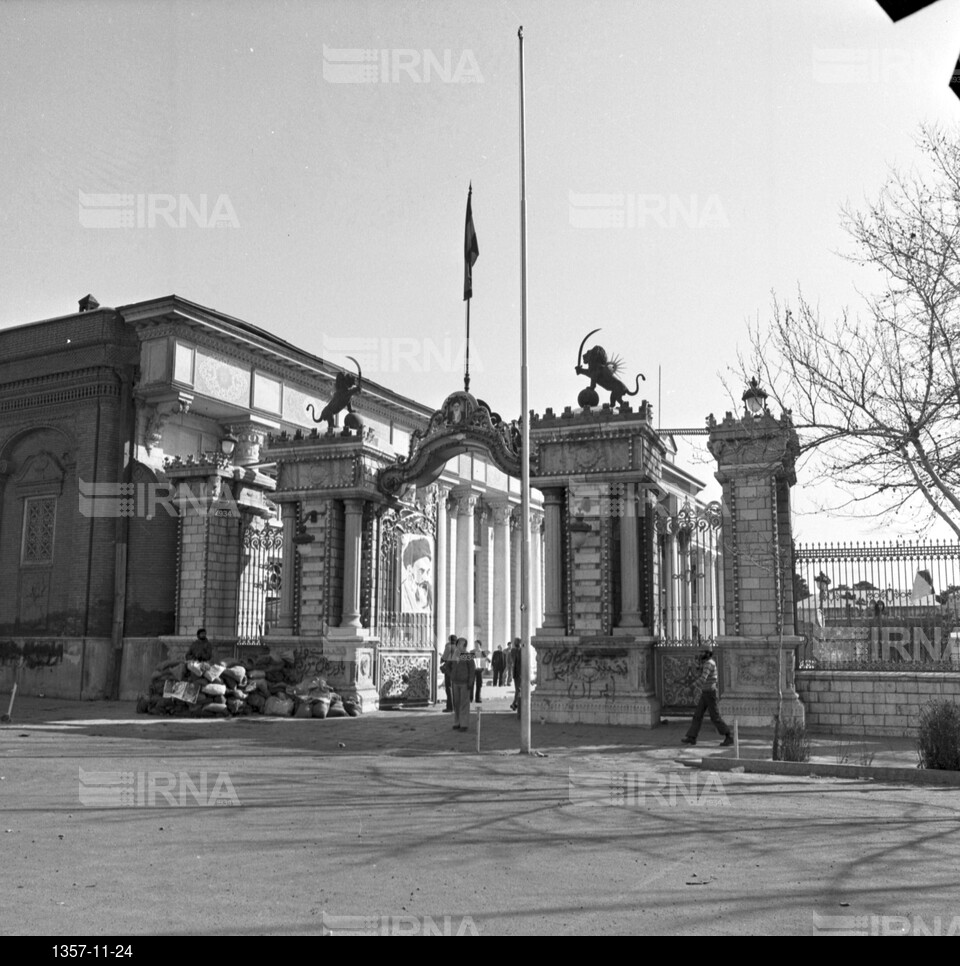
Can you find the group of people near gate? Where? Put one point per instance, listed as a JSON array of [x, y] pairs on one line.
[[463, 672]]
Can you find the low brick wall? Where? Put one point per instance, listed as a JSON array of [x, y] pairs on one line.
[[872, 702]]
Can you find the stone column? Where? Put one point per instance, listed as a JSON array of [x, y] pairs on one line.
[[288, 516], [466, 504], [353, 534], [516, 549], [536, 570], [440, 572], [553, 609], [451, 518], [500, 633], [630, 618], [485, 579]]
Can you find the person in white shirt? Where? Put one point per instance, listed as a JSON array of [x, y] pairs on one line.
[[480, 658]]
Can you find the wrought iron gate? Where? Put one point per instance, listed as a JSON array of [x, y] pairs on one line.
[[404, 613], [261, 575]]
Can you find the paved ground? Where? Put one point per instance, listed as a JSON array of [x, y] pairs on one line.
[[394, 823]]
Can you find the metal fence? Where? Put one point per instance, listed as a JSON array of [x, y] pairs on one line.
[[878, 606]]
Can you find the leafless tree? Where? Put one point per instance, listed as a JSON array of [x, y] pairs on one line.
[[877, 395]]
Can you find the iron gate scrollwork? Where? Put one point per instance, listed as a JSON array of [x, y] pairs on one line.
[[404, 617], [690, 599], [261, 576]]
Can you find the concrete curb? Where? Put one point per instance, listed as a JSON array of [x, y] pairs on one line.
[[810, 769]]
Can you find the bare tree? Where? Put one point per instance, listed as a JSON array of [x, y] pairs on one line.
[[878, 395]]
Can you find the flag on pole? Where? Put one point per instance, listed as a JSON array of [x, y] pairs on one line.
[[470, 250], [922, 585]]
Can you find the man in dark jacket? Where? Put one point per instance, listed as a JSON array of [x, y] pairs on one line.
[[516, 658], [499, 664]]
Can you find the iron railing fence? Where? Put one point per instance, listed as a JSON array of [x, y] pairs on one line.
[[878, 606]]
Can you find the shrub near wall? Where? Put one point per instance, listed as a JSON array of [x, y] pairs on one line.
[[872, 702]]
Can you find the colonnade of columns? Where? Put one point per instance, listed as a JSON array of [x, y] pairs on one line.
[[477, 567]]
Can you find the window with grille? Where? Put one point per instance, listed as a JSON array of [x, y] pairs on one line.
[[39, 515]]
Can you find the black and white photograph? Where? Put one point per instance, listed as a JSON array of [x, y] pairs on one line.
[[478, 469]]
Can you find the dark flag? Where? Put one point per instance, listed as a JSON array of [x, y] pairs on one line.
[[470, 250]]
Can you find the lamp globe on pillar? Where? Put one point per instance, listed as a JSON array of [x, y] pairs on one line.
[[228, 444], [754, 399]]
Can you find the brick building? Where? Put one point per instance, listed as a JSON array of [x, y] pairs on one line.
[[105, 412]]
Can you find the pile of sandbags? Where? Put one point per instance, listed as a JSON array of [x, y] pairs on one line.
[[268, 684]]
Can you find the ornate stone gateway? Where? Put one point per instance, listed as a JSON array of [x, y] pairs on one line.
[[599, 472]]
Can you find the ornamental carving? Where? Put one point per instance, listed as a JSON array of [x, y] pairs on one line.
[[460, 424]]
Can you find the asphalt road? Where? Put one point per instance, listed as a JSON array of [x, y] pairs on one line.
[[393, 823]]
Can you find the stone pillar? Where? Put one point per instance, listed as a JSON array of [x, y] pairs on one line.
[[486, 578], [500, 633], [630, 618], [554, 552], [516, 549], [288, 516], [353, 534], [756, 458], [440, 572], [536, 570], [451, 517], [466, 504]]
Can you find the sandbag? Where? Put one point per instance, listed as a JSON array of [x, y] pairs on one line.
[[213, 672], [216, 689], [279, 706], [320, 707]]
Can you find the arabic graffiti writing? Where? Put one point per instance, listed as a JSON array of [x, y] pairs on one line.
[[588, 672]]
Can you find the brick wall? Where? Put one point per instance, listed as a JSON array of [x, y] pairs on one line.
[[873, 703]]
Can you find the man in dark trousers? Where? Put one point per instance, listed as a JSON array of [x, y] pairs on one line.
[[446, 666], [499, 665], [516, 658], [707, 682]]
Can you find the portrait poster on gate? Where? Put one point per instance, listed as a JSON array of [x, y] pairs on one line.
[[416, 574]]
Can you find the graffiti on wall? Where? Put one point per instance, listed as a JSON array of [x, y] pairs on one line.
[[588, 673], [311, 663], [33, 654]]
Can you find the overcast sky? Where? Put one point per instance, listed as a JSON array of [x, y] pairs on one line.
[[685, 159]]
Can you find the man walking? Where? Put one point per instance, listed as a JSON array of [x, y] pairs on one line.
[[461, 684], [707, 682]]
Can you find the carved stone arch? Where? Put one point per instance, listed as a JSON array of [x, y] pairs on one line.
[[461, 425]]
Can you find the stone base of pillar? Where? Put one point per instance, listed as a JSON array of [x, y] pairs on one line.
[[748, 680], [604, 680], [342, 657]]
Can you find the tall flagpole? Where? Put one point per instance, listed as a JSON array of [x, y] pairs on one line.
[[525, 442]]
